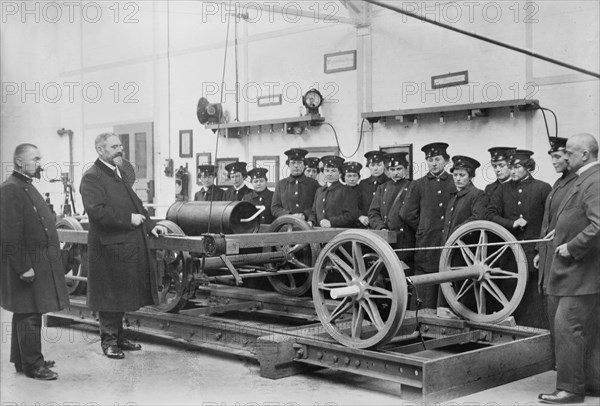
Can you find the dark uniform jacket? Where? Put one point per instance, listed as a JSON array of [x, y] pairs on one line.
[[557, 195], [28, 239], [385, 213], [578, 226], [122, 272], [424, 210], [264, 198], [336, 203], [525, 198], [294, 195], [232, 195], [492, 187], [467, 205], [356, 191], [214, 194], [366, 189]]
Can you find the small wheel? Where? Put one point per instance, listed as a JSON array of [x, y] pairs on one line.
[[74, 257], [173, 270], [298, 256], [371, 311], [497, 294]]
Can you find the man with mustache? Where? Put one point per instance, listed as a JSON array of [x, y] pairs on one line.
[[32, 280], [122, 273]]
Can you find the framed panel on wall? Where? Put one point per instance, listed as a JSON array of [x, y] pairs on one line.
[[271, 163], [186, 149], [222, 179], [408, 148]]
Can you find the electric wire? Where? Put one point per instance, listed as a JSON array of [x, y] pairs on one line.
[[338, 141]]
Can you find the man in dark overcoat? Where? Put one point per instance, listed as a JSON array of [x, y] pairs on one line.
[[209, 192], [32, 280], [574, 278], [237, 172], [543, 260], [518, 206], [335, 204], [295, 194], [424, 210], [367, 187], [122, 273], [384, 213], [500, 165], [261, 195]]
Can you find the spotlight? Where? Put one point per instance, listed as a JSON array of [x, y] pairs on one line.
[[512, 113], [312, 100]]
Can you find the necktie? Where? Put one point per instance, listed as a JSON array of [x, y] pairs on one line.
[[117, 176]]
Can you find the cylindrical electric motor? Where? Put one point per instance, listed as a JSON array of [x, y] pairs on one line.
[[195, 218]]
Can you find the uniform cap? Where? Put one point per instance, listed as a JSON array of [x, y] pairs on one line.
[[351, 167], [258, 173], [207, 170], [435, 149], [397, 159], [312, 162], [375, 156], [234, 167], [501, 153], [464, 162], [557, 144], [332, 161], [519, 156], [296, 154]]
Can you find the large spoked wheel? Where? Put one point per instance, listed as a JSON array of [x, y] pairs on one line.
[[173, 268], [298, 256], [364, 273], [74, 258], [495, 295]]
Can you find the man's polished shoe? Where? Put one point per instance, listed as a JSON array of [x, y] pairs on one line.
[[560, 397], [42, 373], [113, 351], [47, 364], [127, 345]]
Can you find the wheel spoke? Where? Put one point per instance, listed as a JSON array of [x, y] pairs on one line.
[[358, 260], [494, 257], [332, 285], [499, 273], [466, 252], [370, 274], [479, 297], [340, 309], [496, 293], [467, 284], [357, 321], [383, 293], [342, 266], [299, 264], [291, 280], [481, 251], [289, 228], [373, 313], [346, 254]]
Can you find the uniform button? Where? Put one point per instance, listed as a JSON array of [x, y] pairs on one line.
[[383, 202], [323, 200], [295, 193], [451, 208], [260, 199], [519, 203], [442, 217], [323, 211], [373, 193], [441, 204], [297, 205], [296, 182], [401, 229], [439, 192], [45, 229], [438, 179], [520, 190]]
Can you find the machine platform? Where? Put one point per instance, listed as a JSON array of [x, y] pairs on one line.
[[447, 359]]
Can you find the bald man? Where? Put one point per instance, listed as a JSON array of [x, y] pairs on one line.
[[574, 280]]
